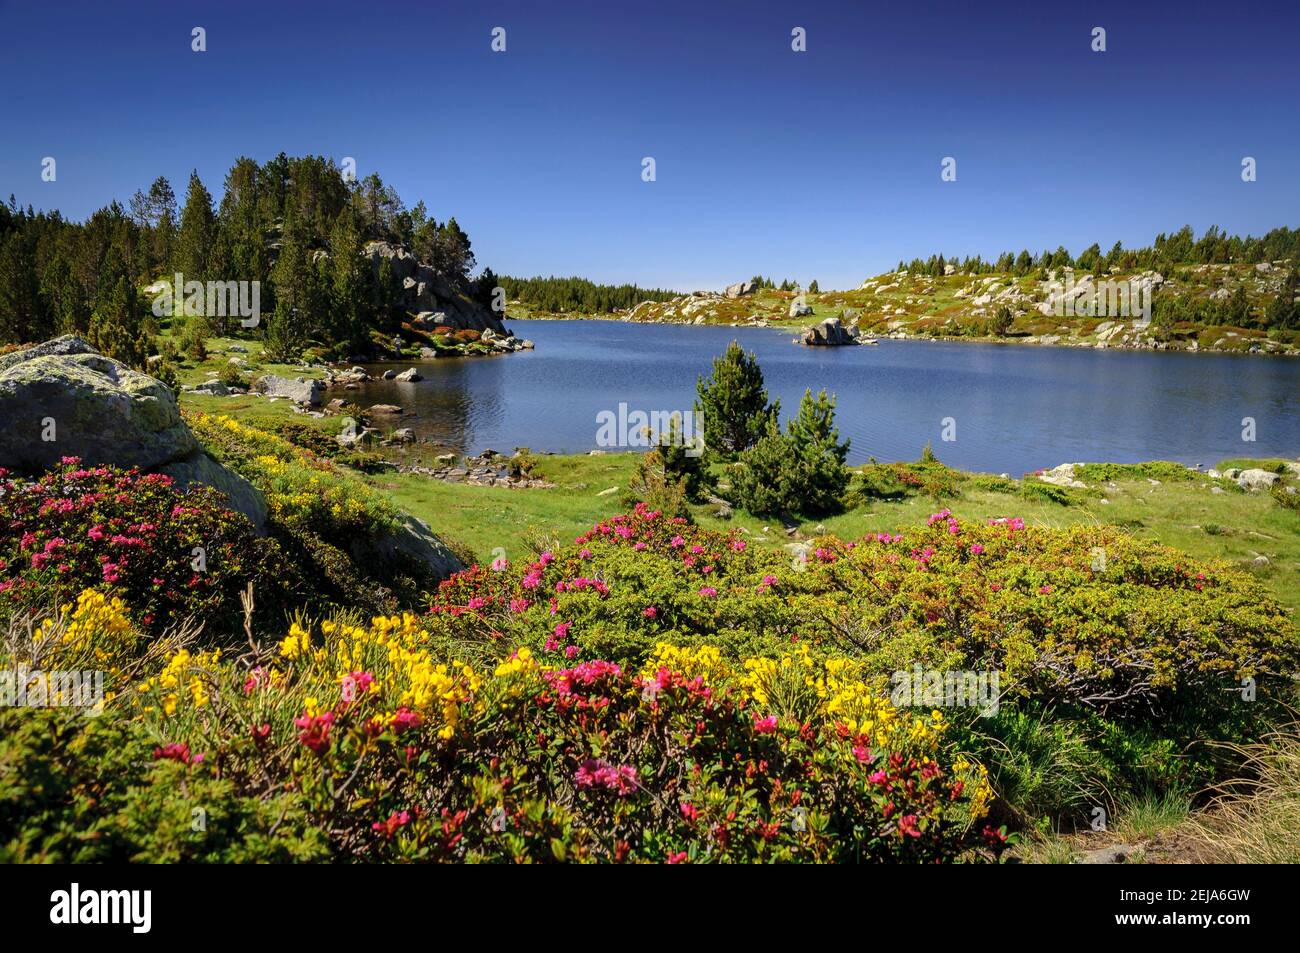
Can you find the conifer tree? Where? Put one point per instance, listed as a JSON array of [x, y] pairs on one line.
[[734, 404], [194, 240]]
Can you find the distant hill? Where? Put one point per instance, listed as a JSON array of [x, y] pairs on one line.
[[1242, 303], [556, 296]]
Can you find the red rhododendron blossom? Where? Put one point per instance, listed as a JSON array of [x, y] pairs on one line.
[[596, 773]]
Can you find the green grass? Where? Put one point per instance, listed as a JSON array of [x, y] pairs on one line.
[[1272, 464], [1143, 818], [1232, 525], [490, 518]]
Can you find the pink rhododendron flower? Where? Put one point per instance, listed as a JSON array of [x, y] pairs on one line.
[[596, 773]]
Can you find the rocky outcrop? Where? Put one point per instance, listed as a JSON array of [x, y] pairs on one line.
[[487, 469], [425, 291], [741, 289], [214, 388], [412, 540], [829, 333], [1255, 479], [800, 308], [1063, 475], [65, 399], [304, 391]]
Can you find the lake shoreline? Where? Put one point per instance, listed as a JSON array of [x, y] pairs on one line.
[[1028, 341]]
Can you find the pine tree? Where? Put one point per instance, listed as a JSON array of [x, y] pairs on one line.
[[762, 481], [287, 330], [819, 473], [733, 403], [65, 299], [21, 316], [194, 240], [115, 326], [240, 225], [800, 471], [348, 279]]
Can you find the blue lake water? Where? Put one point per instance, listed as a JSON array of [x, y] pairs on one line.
[[1015, 408]]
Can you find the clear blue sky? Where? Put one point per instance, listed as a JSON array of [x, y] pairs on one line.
[[822, 164]]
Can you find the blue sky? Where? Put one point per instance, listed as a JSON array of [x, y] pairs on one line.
[[822, 164]]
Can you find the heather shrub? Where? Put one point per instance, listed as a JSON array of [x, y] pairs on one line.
[[361, 742], [1086, 623], [1086, 616], [168, 554]]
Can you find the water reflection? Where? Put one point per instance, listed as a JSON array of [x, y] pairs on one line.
[[1016, 408]]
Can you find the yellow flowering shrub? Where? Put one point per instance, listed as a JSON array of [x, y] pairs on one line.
[[97, 623], [301, 489], [187, 679]]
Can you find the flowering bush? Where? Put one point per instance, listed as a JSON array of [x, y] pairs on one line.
[[1088, 616], [657, 692], [168, 554], [303, 491], [337, 527], [396, 753]]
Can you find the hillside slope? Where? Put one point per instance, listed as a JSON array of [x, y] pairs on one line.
[[1211, 307]]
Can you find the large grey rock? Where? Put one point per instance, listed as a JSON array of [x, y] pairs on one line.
[[1255, 479], [799, 308], [830, 333], [300, 390], [741, 289], [67, 344], [413, 540], [1063, 475], [102, 411], [201, 468], [63, 398]]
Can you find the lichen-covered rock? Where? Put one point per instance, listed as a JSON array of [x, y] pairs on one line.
[[830, 333], [63, 398], [1255, 479], [412, 540], [300, 390]]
